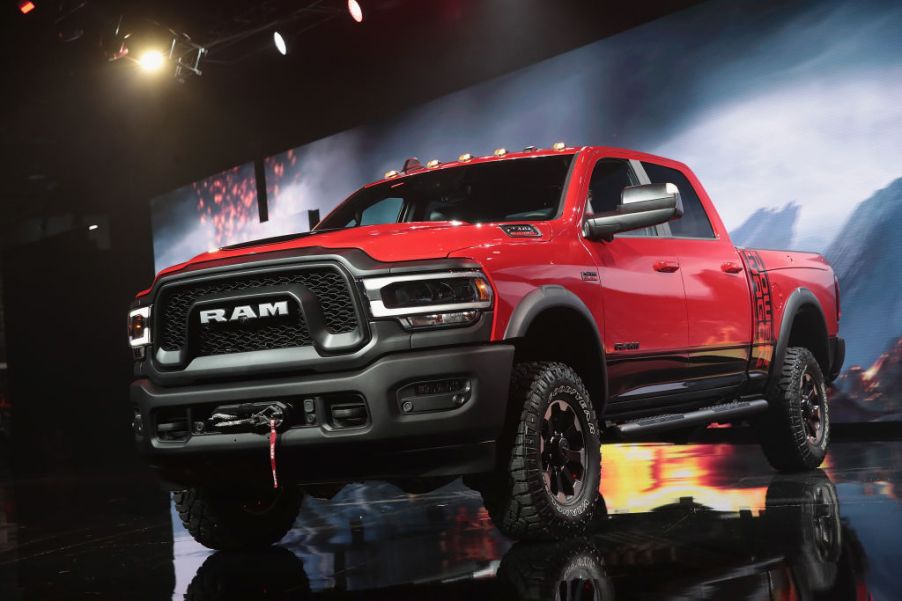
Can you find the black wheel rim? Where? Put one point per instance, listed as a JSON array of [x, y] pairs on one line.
[[260, 504], [562, 448], [812, 403], [824, 531]]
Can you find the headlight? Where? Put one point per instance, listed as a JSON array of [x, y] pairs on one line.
[[139, 326], [431, 299]]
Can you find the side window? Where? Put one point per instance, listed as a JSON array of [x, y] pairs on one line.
[[694, 223], [386, 210], [609, 178]]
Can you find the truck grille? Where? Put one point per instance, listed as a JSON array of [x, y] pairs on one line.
[[328, 284]]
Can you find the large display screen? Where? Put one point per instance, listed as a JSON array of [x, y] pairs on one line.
[[205, 215], [789, 112]]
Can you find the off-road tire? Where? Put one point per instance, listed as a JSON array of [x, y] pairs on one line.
[[516, 496], [273, 573], [234, 520], [782, 430], [571, 569], [803, 517]]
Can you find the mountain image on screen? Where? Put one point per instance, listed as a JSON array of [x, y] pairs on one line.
[[768, 228], [863, 253], [865, 256]]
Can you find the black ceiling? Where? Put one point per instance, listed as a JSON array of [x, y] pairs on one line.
[[81, 134]]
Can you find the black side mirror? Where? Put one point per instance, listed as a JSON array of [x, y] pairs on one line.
[[641, 206]]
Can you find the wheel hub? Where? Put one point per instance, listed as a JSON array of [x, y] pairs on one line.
[[563, 452], [812, 405]]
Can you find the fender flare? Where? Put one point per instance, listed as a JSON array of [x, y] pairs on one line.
[[548, 297], [795, 302]]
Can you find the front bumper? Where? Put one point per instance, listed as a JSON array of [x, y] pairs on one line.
[[392, 444]]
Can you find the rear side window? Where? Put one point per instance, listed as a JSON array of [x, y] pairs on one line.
[[694, 223]]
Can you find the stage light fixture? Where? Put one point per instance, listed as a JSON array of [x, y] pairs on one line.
[[151, 60], [355, 10], [26, 6], [279, 41]]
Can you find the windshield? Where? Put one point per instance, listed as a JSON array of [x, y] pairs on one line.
[[527, 189]]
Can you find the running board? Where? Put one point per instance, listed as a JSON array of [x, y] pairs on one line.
[[714, 413]]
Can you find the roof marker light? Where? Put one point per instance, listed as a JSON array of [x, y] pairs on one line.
[[391, 174], [432, 164], [465, 157], [500, 152], [559, 146]]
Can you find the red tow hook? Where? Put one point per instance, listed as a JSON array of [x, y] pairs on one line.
[[273, 437]]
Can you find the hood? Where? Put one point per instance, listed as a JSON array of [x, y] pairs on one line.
[[387, 243]]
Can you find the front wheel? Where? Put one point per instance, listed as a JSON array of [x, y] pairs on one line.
[[795, 431], [548, 485]]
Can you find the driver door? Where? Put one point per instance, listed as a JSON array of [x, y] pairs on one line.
[[645, 331]]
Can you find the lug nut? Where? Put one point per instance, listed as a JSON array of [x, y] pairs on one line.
[[407, 407]]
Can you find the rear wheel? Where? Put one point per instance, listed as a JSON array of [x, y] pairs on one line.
[[795, 431], [548, 485], [231, 520]]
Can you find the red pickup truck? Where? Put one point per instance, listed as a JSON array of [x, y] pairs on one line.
[[490, 318]]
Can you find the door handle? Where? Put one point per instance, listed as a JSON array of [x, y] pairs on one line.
[[731, 267], [666, 266]]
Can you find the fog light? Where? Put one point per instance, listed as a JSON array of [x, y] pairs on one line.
[[440, 319], [435, 395]]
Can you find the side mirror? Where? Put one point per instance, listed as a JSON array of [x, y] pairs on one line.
[[641, 206]]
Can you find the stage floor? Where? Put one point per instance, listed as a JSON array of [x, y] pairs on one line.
[[682, 522]]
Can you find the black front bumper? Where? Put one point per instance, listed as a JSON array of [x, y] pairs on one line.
[[392, 443]]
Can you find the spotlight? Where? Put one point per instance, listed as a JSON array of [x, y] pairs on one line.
[[151, 60], [355, 10], [26, 6], [280, 43]]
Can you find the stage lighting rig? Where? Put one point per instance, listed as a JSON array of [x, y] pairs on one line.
[[155, 49], [152, 60]]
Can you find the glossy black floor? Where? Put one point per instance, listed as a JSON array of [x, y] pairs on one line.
[[705, 521]]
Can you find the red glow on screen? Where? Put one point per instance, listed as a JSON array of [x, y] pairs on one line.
[[229, 202], [26, 7]]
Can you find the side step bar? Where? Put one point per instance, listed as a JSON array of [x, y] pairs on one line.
[[714, 413]]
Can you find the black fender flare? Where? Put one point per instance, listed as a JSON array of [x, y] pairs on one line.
[[799, 298], [548, 297]]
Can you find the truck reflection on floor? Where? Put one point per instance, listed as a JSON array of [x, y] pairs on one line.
[[708, 537]]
